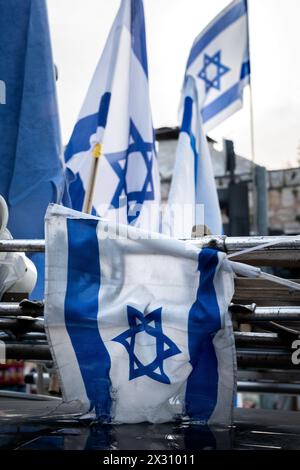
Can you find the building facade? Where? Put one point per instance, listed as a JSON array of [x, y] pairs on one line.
[[283, 185]]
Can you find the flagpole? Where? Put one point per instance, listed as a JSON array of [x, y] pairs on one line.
[[251, 122], [88, 199], [253, 172], [252, 140]]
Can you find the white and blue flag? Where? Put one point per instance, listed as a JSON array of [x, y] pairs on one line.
[[193, 198], [115, 120], [217, 71], [138, 323], [219, 63]]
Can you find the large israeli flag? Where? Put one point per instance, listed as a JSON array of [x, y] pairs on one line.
[[115, 125], [219, 63], [138, 323], [193, 199]]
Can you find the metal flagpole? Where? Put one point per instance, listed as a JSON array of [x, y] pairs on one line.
[[253, 169], [251, 122], [88, 199], [252, 143]]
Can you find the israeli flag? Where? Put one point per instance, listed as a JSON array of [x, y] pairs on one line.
[[138, 323], [219, 63], [115, 127], [193, 198]]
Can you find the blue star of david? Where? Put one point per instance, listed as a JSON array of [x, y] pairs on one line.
[[165, 347], [220, 70], [134, 199]]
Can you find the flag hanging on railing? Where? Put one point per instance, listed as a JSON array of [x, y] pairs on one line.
[[31, 172], [138, 323], [193, 199], [219, 63], [115, 126]]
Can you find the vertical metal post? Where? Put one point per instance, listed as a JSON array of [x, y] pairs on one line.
[[261, 183], [253, 171], [40, 380]]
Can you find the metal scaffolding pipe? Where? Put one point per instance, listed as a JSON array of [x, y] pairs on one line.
[[287, 310], [259, 340], [243, 315], [265, 358], [246, 357], [13, 309], [269, 387], [284, 242], [29, 246], [265, 314], [23, 328], [285, 252], [30, 337], [223, 243], [30, 351], [22, 325], [235, 244], [23, 338]]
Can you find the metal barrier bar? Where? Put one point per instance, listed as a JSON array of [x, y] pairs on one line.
[[269, 387], [22, 325], [246, 357], [13, 309], [260, 340], [285, 253], [265, 314], [28, 246], [34, 329], [8, 338], [223, 243], [29, 351], [265, 293], [255, 358], [269, 375], [261, 314]]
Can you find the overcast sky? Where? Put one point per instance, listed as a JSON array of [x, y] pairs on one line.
[[79, 30]]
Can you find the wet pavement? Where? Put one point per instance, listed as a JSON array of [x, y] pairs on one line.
[[38, 424]]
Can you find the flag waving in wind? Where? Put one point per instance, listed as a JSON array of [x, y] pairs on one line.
[[115, 127], [193, 198], [219, 63], [217, 70]]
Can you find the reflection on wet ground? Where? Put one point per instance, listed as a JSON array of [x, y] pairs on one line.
[[38, 426]]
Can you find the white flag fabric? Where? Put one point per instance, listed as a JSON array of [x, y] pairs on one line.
[[116, 119], [138, 323], [219, 63], [193, 198]]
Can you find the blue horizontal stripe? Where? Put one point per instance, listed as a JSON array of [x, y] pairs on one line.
[[245, 70], [230, 96], [87, 126], [103, 109], [187, 115], [217, 28], [80, 139], [81, 312]]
